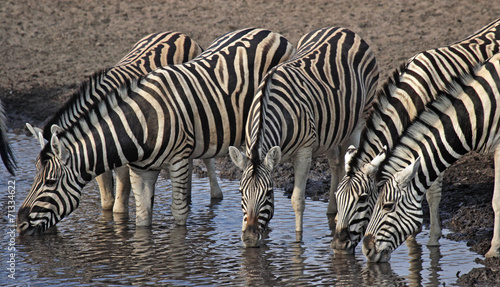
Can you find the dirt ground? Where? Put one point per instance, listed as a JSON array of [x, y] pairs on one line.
[[48, 47]]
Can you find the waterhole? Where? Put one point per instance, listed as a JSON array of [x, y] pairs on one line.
[[96, 248]]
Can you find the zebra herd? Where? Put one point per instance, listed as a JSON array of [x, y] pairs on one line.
[[253, 95]]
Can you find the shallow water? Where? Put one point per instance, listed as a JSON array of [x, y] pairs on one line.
[[93, 248]]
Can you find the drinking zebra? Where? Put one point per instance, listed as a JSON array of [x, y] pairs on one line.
[[176, 113], [464, 118], [151, 52], [401, 99], [5, 150], [308, 105]]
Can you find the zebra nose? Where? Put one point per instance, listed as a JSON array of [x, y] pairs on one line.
[[251, 236], [368, 244], [23, 226], [342, 241]]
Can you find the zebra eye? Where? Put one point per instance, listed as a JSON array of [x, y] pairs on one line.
[[269, 192], [50, 182], [389, 206], [363, 198]]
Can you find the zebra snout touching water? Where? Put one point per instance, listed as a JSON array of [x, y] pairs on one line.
[[400, 100], [161, 121], [308, 105], [151, 52], [464, 118]]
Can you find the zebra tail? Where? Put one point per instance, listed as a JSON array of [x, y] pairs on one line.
[[5, 150]]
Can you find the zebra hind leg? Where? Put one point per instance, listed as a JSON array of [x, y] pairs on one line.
[[215, 191], [122, 189], [105, 183], [143, 185], [334, 161], [495, 242]]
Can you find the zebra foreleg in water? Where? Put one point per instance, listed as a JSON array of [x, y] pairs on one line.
[[163, 120], [464, 118], [308, 105]]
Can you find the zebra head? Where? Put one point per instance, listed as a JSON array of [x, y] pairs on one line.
[[54, 193], [257, 194], [397, 215], [356, 196]]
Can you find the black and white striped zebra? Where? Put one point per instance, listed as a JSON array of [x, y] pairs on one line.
[[401, 99], [151, 52], [176, 113], [308, 105], [463, 119], [6, 152]]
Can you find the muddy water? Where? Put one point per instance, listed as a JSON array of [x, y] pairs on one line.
[[95, 248]]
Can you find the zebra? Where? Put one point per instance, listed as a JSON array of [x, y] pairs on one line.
[[401, 98], [150, 52], [308, 105], [175, 113], [6, 152], [464, 118]]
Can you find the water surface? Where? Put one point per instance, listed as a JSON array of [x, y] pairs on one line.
[[96, 248]]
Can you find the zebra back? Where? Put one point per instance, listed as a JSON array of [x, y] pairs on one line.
[[321, 94], [416, 83], [151, 52]]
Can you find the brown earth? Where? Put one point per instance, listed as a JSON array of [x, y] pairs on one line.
[[48, 47]]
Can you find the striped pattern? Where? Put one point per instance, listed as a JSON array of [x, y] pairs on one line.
[[6, 152], [151, 52], [176, 113], [401, 99], [465, 118], [309, 105]]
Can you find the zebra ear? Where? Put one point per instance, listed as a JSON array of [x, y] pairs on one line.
[[372, 167], [55, 129], [58, 149], [407, 174], [351, 151], [37, 133], [238, 158], [273, 157]]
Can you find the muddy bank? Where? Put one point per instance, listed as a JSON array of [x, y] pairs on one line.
[[47, 49]]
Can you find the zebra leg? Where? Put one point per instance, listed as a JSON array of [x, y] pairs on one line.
[[495, 242], [433, 196], [301, 166], [215, 191], [143, 185], [190, 180], [179, 176], [105, 183], [335, 165], [122, 189]]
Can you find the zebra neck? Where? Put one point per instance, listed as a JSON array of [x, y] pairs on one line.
[[90, 92], [462, 120], [415, 84]]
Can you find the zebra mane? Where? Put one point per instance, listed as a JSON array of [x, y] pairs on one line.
[[100, 109], [256, 120], [382, 100], [79, 102], [400, 154]]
